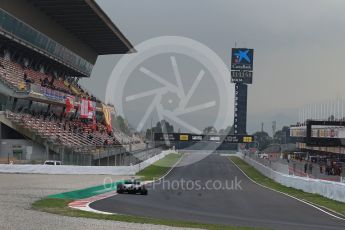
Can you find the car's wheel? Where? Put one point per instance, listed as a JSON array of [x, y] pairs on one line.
[[143, 192], [120, 191]]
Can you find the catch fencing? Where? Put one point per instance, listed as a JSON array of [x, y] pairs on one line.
[[329, 189]]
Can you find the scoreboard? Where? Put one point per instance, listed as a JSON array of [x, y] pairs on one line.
[[242, 60]]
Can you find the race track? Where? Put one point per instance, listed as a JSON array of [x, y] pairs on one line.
[[252, 205]]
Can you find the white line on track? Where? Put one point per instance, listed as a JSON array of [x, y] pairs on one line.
[[305, 202]]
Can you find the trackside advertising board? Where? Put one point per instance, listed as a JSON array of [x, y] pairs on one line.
[[203, 137]]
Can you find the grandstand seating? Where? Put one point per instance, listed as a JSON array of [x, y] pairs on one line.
[[55, 131], [60, 132], [14, 75]]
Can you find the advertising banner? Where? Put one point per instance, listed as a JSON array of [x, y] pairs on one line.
[[184, 137], [84, 108], [107, 117], [203, 137], [43, 92], [242, 59], [70, 104], [91, 109]]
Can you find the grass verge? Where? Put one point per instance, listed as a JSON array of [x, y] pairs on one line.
[[316, 199], [159, 168], [60, 206], [87, 192]]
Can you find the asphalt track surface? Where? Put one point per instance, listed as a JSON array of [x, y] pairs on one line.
[[252, 206]]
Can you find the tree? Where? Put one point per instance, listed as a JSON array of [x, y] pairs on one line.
[[331, 118], [281, 136], [210, 130], [229, 130], [162, 126], [166, 127], [148, 134], [122, 125], [263, 139]]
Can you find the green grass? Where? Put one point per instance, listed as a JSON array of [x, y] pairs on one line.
[[159, 168], [60, 206], [87, 192], [316, 199]]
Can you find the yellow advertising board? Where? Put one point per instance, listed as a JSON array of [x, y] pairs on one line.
[[247, 139], [184, 137]]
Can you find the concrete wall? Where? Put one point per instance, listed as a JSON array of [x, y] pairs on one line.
[[329, 189], [67, 169], [31, 151]]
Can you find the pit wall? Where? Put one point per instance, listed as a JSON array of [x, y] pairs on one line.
[[329, 189], [71, 169]]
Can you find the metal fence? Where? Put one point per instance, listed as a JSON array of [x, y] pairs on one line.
[[295, 167], [92, 156], [330, 189]]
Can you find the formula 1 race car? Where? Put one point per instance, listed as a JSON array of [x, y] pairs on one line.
[[132, 186]]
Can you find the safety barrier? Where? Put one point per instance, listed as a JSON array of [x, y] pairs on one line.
[[71, 169], [329, 189]]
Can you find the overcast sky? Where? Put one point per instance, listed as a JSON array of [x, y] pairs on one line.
[[299, 46]]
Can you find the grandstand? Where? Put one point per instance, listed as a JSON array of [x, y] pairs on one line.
[[45, 48]]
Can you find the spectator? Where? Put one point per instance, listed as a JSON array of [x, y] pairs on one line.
[[45, 82], [105, 142], [90, 136], [310, 168], [51, 83]]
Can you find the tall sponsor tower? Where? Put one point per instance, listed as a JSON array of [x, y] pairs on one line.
[[241, 76]]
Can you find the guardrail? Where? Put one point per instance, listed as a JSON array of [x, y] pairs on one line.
[[329, 189], [71, 169]]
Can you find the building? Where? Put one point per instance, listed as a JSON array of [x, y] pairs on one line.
[[45, 48]]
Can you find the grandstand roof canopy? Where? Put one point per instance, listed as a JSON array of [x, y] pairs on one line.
[[87, 21]]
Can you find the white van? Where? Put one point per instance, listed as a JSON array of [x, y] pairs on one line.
[[52, 163]]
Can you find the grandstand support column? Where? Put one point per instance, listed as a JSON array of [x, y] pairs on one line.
[[107, 156], [120, 157], [99, 158], [30, 105], [48, 108], [47, 150], [14, 103], [62, 154]]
